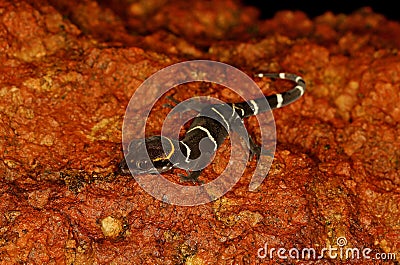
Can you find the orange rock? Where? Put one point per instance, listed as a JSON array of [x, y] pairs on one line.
[[68, 70]]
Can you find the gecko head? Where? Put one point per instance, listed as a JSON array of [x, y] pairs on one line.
[[148, 156]]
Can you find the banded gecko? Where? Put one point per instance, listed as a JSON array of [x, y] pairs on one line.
[[204, 127]]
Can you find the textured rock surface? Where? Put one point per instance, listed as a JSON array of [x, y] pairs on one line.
[[68, 70]]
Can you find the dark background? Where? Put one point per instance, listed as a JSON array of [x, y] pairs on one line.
[[317, 7]]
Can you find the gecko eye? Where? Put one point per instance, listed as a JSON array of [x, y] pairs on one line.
[[143, 164]]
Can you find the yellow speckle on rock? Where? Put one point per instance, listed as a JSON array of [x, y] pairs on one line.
[[354, 85], [345, 104], [11, 216], [171, 236], [105, 129], [42, 84], [383, 244], [26, 112], [194, 260], [47, 140], [33, 83], [252, 218], [111, 227], [47, 83], [11, 163]]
